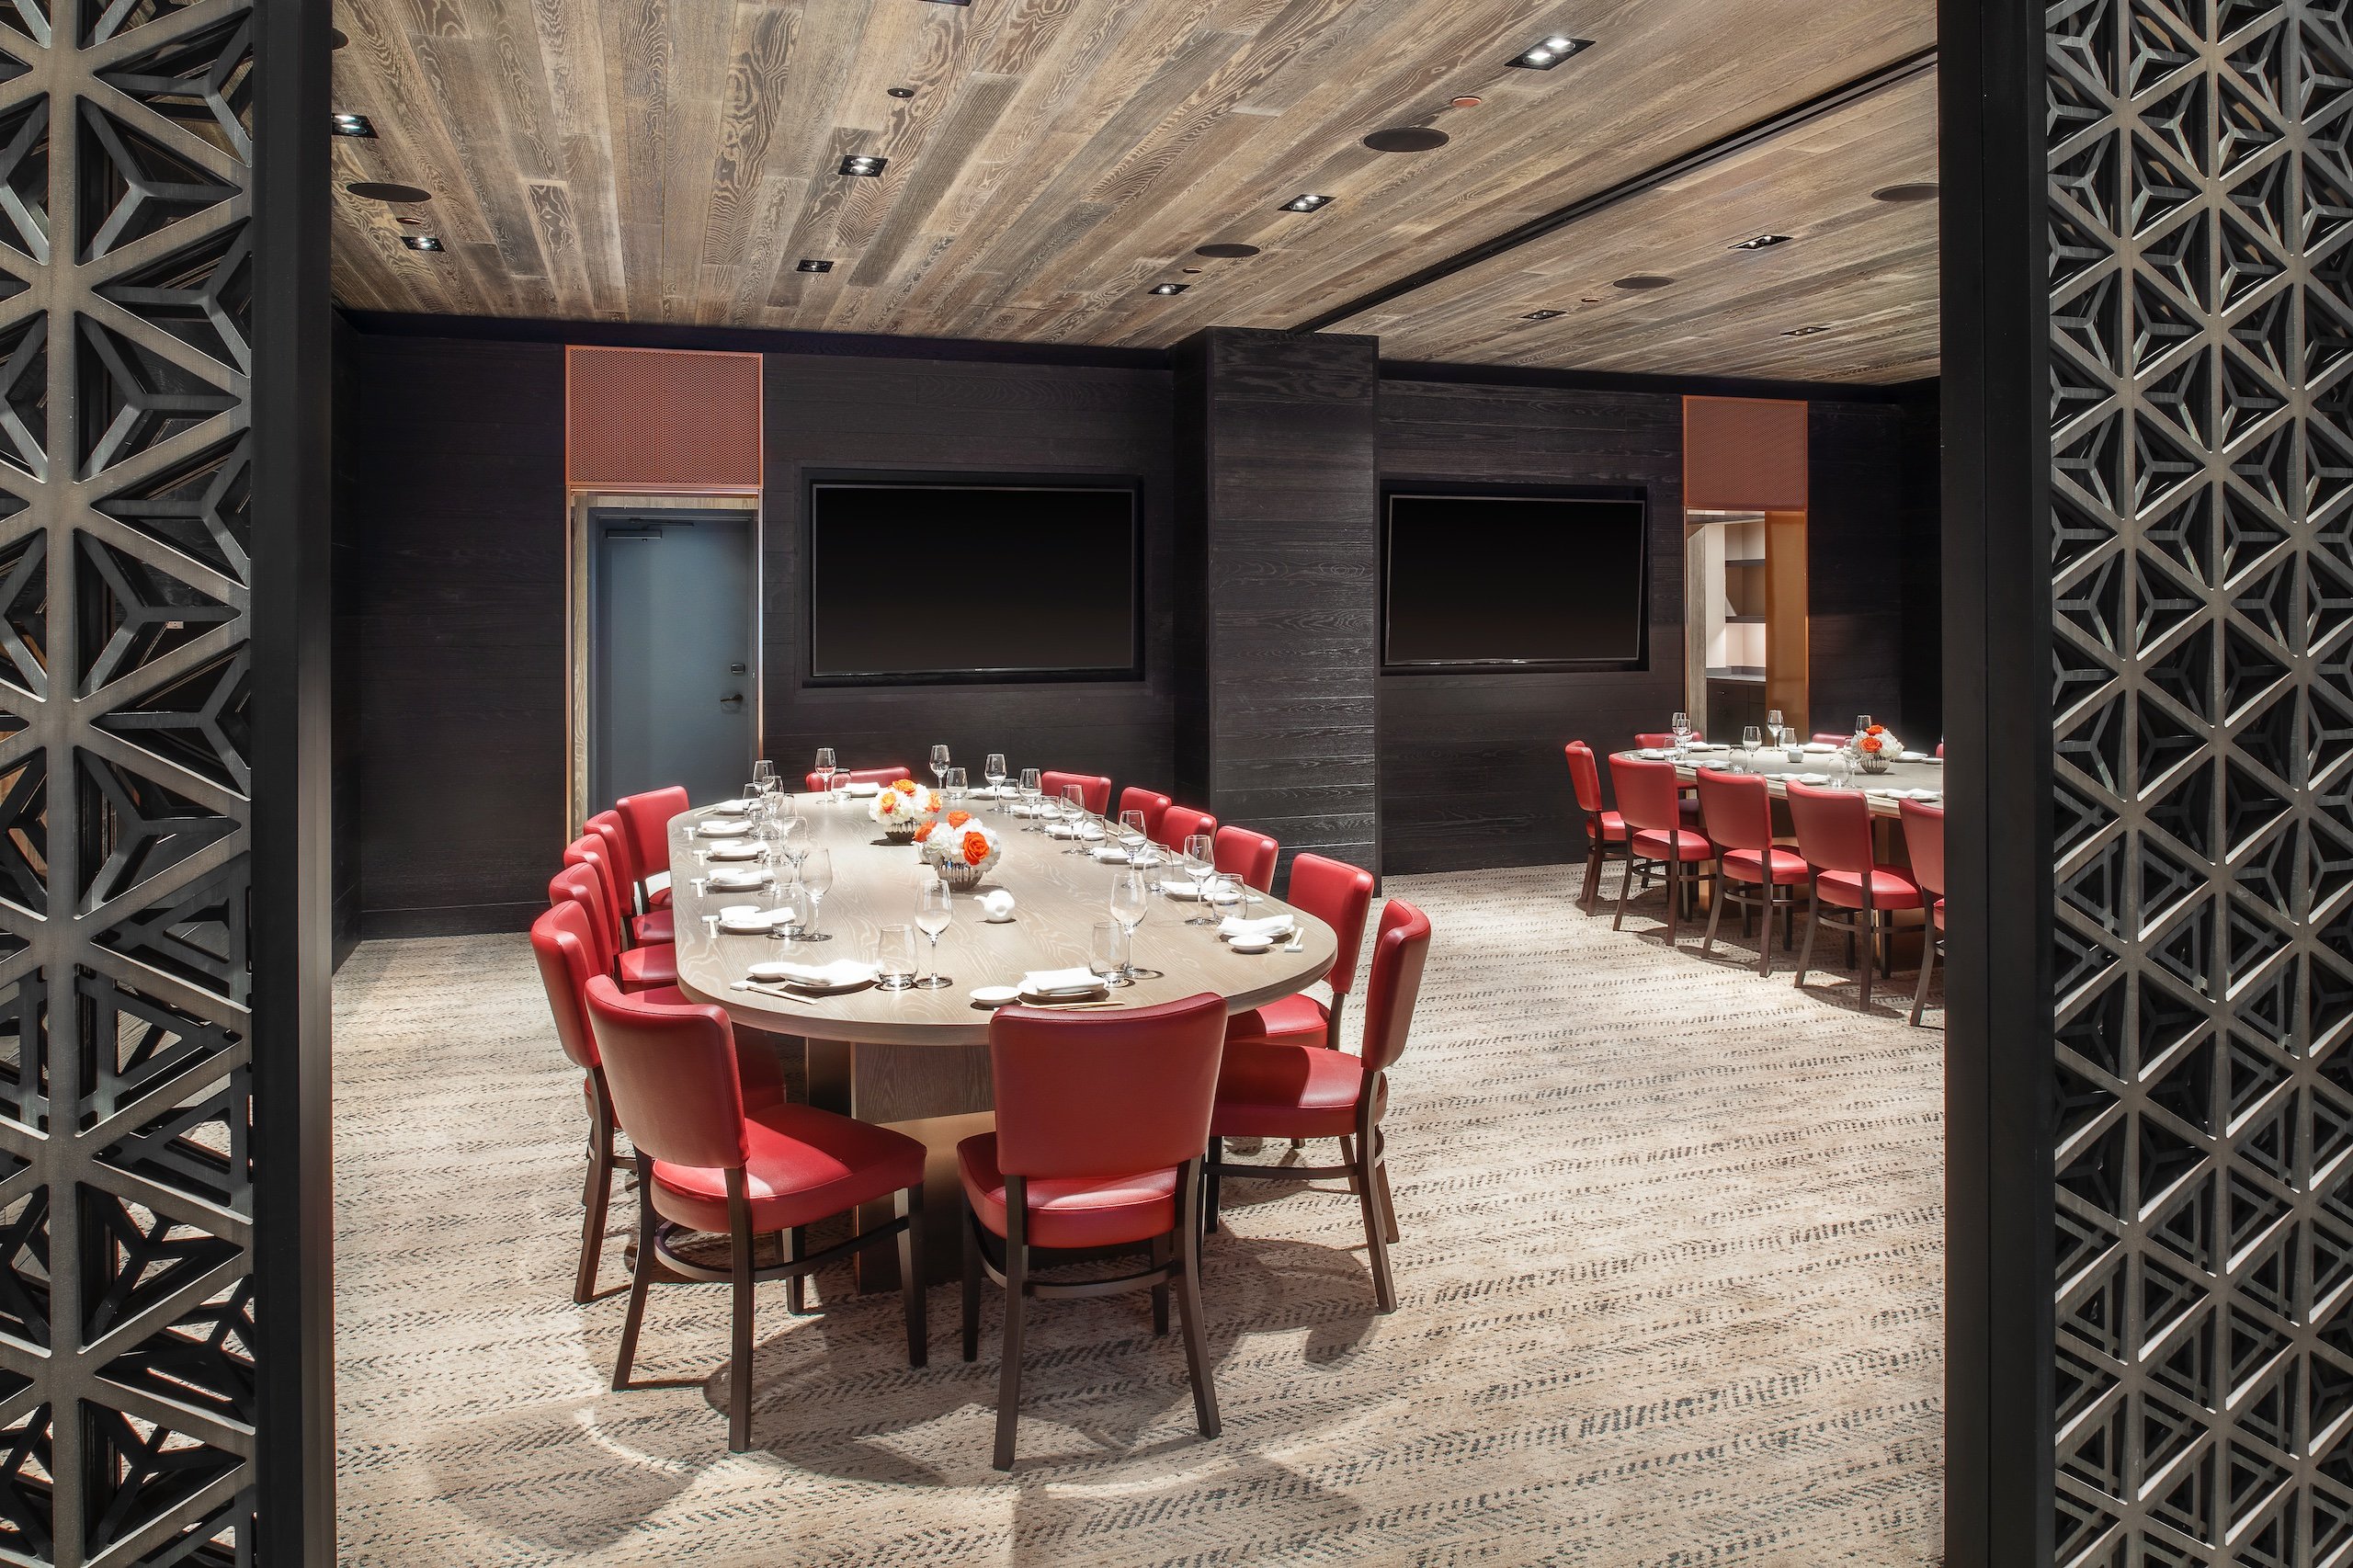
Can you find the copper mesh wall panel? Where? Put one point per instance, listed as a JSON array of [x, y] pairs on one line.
[[1744, 454], [662, 420]]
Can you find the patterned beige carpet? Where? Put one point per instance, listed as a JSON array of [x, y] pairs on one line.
[[1670, 1283]]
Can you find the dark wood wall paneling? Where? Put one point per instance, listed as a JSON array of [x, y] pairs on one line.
[[1283, 736], [1921, 699], [1854, 538], [924, 416], [344, 351], [455, 588], [1471, 767]]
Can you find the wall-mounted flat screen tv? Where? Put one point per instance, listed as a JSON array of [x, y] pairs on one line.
[[1514, 582], [1050, 585]]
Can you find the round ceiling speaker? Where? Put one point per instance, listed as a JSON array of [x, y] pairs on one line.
[[1407, 139], [377, 190], [337, 38], [1225, 251], [1922, 192], [1642, 280]]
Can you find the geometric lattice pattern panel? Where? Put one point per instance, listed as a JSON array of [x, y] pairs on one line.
[[125, 1305], [2200, 207]]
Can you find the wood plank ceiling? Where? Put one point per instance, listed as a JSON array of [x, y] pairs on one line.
[[676, 160]]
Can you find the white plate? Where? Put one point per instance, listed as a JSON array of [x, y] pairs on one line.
[[1816, 779], [842, 975], [1052, 997], [720, 828], [737, 852], [996, 996], [730, 808], [1914, 756], [1822, 748], [865, 791], [737, 881]]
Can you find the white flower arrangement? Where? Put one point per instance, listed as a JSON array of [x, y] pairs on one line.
[[968, 846], [903, 806], [1878, 741]]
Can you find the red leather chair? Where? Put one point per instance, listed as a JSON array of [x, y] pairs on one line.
[[1660, 742], [704, 1163], [1737, 813], [1178, 823], [1648, 797], [1100, 1125], [1151, 803], [860, 776], [1835, 835], [593, 852], [1924, 838], [1247, 853], [1274, 1089], [1340, 895], [637, 969], [654, 925], [566, 950], [1604, 830], [1094, 790], [1825, 738], [646, 820], [1689, 803]]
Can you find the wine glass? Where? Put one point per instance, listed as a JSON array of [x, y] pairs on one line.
[[837, 789], [1132, 836], [954, 783], [1681, 727], [939, 765], [824, 768], [1072, 807], [792, 839], [994, 771], [762, 771], [1200, 851], [1751, 737], [935, 910], [817, 876], [1130, 901], [1773, 726], [894, 955], [1030, 790]]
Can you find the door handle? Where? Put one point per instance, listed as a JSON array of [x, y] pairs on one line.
[[732, 703]]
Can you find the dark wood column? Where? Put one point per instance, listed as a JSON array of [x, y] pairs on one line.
[[1278, 578]]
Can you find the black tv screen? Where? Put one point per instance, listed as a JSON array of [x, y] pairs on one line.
[[1511, 580], [931, 582]]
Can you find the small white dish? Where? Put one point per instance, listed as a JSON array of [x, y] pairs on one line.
[[996, 996], [1005, 919], [1250, 945]]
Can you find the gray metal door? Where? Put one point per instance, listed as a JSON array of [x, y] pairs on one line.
[[674, 696]]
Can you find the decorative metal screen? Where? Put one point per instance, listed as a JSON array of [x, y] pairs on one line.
[[126, 1375], [2202, 357]]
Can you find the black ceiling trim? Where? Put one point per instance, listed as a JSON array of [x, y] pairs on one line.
[[748, 340], [1723, 146], [1635, 383]]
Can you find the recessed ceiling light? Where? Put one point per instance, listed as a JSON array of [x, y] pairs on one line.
[[408, 219], [352, 125], [420, 242], [377, 190], [1804, 331], [1407, 139], [1542, 315], [811, 263], [951, 2], [1642, 280], [865, 163], [1307, 203], [899, 91], [1923, 191], [1546, 53], [337, 38], [1170, 288], [1467, 101], [1224, 250], [1762, 242]]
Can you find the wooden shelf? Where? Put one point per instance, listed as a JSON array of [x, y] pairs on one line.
[[1743, 620], [1757, 560]]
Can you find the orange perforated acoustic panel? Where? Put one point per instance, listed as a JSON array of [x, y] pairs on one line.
[[1744, 454], [661, 419]]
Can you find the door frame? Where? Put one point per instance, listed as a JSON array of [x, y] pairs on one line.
[[580, 647]]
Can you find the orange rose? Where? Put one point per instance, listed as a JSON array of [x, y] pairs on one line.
[[958, 819], [1871, 743], [904, 786], [925, 831], [888, 805], [976, 849], [1876, 730]]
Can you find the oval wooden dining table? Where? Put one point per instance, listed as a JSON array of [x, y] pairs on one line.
[[1879, 790], [916, 1060]]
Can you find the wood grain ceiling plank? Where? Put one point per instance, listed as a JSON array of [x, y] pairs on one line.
[[762, 45], [559, 230], [637, 67], [572, 52], [980, 104], [696, 82], [460, 72], [822, 53]]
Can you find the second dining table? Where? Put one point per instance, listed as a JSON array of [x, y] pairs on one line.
[[917, 1059]]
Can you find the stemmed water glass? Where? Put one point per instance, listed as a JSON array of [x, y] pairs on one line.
[[1200, 851], [1031, 789], [791, 831], [1072, 807], [1131, 834], [1773, 726], [1681, 727], [994, 771], [824, 768], [1751, 737], [817, 876], [1130, 901], [938, 766], [935, 910]]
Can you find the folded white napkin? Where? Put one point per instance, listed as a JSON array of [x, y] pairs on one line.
[[1708, 745], [731, 808], [1109, 852], [866, 791], [738, 851], [1815, 779], [750, 920], [1652, 754], [1820, 746], [737, 879], [1914, 756], [724, 827], [1232, 929], [1175, 889], [1059, 981], [840, 973]]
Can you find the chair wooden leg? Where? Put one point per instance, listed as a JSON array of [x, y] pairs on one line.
[[1161, 1252], [595, 1198], [1189, 1292], [739, 1350], [1927, 968], [1208, 1188], [1593, 862], [796, 1290], [1625, 889], [632, 1319], [1715, 915], [1016, 1294], [1765, 942], [1348, 1158], [1376, 1230], [1674, 897], [1381, 1180], [1870, 959], [1812, 924], [972, 1293], [910, 1288]]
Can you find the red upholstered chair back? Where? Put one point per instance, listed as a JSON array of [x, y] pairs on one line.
[[566, 950], [1924, 835], [646, 819], [1735, 810], [1400, 948], [1095, 790], [590, 851], [1107, 1094], [1339, 895], [1584, 778], [1248, 854], [1152, 803], [1940, 751], [671, 1071], [607, 826], [1824, 738], [1834, 828], [1180, 823], [581, 885], [1648, 797], [862, 775], [1657, 741]]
